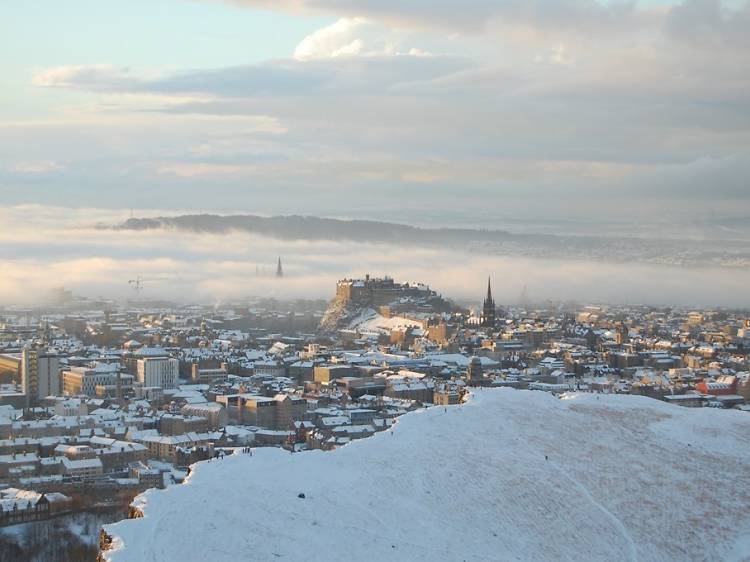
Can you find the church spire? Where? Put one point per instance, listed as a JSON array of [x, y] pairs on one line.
[[488, 308]]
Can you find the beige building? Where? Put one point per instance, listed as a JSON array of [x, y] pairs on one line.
[[207, 376], [98, 380], [177, 424], [40, 374], [165, 447], [274, 413], [328, 373], [215, 413], [10, 366]]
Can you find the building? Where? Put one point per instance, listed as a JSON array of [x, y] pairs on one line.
[[377, 292], [275, 413], [215, 413], [21, 506], [75, 452], [83, 468], [207, 376], [71, 407], [329, 373], [168, 447], [686, 400], [178, 424], [475, 372], [15, 464], [100, 379], [446, 396], [488, 308], [40, 374], [725, 385], [10, 367], [159, 372], [147, 476], [117, 455]]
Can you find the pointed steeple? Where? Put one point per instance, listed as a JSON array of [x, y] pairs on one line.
[[488, 308], [279, 271]]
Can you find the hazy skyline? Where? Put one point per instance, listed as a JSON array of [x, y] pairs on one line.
[[505, 108]]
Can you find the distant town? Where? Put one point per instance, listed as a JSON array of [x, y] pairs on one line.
[[100, 401]]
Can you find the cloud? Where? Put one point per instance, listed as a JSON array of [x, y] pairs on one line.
[[38, 167], [339, 38], [354, 37], [710, 22], [533, 109], [291, 78], [95, 77], [199, 169], [469, 16]]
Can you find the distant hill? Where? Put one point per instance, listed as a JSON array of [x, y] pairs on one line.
[[296, 227], [646, 248]]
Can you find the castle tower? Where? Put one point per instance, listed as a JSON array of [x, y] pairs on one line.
[[279, 271], [488, 308]]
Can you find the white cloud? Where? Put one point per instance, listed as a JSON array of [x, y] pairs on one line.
[[333, 40], [353, 37]]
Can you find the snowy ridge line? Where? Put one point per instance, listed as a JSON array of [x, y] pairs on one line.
[[487, 480]]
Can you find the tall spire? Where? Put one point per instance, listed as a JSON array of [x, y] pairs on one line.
[[279, 271], [488, 308]]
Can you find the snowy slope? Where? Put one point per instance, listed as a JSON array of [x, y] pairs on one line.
[[370, 321], [627, 478]]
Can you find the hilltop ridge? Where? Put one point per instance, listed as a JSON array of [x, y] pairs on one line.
[[620, 478]]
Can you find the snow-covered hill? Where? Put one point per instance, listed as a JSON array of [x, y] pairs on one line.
[[512, 475], [370, 322]]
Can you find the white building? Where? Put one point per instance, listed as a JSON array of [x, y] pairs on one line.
[[161, 372]]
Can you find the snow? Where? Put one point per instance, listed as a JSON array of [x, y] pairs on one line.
[[372, 322], [626, 477], [458, 359]]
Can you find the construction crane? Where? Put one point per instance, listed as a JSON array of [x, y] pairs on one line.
[[136, 284]]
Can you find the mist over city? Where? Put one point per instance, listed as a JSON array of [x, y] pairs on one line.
[[90, 252]]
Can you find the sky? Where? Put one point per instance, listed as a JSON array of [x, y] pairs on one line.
[[506, 108], [492, 113]]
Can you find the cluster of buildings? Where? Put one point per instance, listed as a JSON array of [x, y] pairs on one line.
[[127, 398]]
